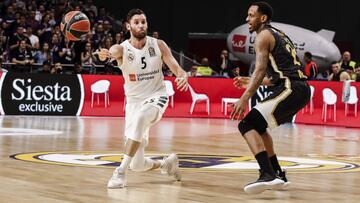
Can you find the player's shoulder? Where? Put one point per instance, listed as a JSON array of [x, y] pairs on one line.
[[117, 47]]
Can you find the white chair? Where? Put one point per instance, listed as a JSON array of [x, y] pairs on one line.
[[353, 99], [100, 87], [170, 91], [225, 102], [311, 102], [329, 98], [199, 97]]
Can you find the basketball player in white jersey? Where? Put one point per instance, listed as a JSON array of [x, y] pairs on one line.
[[140, 59]]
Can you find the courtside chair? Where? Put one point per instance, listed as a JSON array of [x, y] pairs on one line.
[[353, 99], [199, 97], [170, 91], [100, 87], [311, 102], [329, 98]]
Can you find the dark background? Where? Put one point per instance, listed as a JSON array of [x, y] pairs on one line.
[[175, 19]]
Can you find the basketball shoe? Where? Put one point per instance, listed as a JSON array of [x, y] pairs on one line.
[[118, 179], [282, 176], [265, 182], [170, 166]]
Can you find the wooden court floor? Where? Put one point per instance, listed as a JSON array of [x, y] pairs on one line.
[[70, 159]]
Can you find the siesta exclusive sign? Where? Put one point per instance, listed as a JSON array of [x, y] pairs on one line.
[[41, 94]]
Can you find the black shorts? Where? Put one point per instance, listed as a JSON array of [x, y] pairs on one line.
[[287, 99]]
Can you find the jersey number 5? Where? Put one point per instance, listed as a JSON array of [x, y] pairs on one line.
[[143, 62]]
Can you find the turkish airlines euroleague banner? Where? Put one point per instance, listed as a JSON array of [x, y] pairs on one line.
[[41, 94]]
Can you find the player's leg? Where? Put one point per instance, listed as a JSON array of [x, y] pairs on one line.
[[268, 143], [251, 127], [169, 165], [137, 120]]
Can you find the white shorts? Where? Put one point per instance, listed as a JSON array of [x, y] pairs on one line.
[[141, 115]]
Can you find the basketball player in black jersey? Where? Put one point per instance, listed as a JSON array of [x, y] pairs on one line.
[[276, 64]]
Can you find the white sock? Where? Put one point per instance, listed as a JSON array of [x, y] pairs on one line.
[[124, 166], [161, 162]]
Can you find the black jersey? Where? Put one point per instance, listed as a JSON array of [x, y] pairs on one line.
[[283, 61]]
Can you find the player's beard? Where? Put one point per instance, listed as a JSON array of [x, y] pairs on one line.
[[140, 35]]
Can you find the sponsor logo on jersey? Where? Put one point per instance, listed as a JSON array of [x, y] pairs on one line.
[[201, 162], [132, 77]]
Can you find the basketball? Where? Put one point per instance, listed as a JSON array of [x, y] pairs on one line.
[[74, 25]]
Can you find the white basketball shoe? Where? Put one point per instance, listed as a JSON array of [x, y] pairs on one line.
[[170, 166], [118, 179]]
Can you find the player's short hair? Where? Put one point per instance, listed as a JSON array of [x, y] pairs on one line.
[[132, 12], [264, 8]]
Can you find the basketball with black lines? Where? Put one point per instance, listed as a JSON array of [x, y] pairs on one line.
[[74, 25]]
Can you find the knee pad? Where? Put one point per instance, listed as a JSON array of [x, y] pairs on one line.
[[253, 121], [144, 164]]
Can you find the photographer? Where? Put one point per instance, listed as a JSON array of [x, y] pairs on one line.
[[57, 69]]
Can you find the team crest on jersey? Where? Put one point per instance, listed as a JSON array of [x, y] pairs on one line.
[[131, 56], [201, 162], [152, 51]]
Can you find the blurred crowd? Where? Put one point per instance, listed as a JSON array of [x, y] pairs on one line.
[[31, 39]]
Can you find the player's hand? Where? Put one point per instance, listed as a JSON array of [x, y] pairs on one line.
[[182, 83], [241, 82], [103, 54], [239, 109]]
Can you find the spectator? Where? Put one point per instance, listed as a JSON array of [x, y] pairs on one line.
[[22, 56], [46, 67], [357, 72], [155, 34], [108, 31], [226, 66], [108, 42], [33, 38], [235, 72], [311, 69], [45, 54], [15, 39], [67, 54], [193, 71], [57, 69], [40, 12], [87, 58], [119, 38], [55, 48], [89, 6], [338, 74], [98, 37], [347, 64], [44, 31], [78, 69], [204, 69], [31, 22]]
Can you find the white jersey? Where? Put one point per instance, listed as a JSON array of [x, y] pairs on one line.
[[142, 70]]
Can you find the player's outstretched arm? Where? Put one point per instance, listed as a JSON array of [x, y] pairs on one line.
[[115, 53], [170, 61]]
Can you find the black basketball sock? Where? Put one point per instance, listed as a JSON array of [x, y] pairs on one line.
[[275, 164], [264, 163]]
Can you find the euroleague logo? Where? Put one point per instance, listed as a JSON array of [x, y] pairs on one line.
[[238, 43], [200, 162]]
